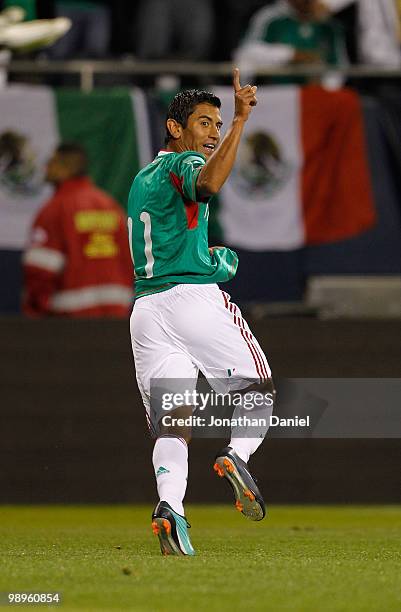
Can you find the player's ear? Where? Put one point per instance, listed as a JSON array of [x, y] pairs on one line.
[[174, 128]]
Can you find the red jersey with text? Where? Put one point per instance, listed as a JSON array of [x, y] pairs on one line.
[[78, 262]]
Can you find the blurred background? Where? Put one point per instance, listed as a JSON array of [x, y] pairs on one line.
[[313, 208]]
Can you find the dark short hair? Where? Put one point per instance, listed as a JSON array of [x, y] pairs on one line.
[[183, 105], [76, 156]]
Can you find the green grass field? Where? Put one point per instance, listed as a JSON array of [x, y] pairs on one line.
[[299, 558]]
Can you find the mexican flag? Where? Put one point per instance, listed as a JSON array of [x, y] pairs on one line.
[[301, 175], [111, 124]]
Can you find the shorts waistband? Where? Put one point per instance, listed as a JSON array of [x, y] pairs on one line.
[[170, 294]]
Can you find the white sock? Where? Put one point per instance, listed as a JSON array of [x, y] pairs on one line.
[[246, 446], [170, 462]]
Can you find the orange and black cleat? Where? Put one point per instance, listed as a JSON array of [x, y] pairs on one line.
[[248, 498]]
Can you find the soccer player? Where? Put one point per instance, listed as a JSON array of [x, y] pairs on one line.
[[182, 322]]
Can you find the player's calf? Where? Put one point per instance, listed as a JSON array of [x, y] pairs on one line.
[[231, 462], [175, 423]]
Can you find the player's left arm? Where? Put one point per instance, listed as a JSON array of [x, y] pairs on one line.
[[43, 263]]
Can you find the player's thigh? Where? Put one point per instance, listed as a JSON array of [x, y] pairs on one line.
[[156, 356], [218, 337], [235, 347]]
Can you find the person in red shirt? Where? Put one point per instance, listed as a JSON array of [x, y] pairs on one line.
[[78, 262]]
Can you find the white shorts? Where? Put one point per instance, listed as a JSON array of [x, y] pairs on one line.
[[194, 327]]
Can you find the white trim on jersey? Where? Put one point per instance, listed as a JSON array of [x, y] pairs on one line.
[[47, 259], [90, 297]]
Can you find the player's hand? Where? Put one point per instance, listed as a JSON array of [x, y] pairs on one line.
[[245, 97]]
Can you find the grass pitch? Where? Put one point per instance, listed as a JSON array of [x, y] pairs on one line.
[[299, 558]]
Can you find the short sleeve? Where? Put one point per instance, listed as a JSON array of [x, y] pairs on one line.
[[185, 171]]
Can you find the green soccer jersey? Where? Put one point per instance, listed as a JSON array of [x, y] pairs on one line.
[[168, 227], [323, 37]]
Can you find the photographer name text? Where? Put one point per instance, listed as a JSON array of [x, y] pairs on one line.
[[242, 421]]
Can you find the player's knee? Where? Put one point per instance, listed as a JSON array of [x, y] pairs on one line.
[[178, 432], [177, 423], [266, 387]]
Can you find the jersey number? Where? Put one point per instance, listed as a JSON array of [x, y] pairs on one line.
[[147, 236]]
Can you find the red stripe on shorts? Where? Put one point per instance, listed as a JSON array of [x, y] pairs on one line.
[[252, 348], [151, 428], [259, 353], [262, 363], [249, 335]]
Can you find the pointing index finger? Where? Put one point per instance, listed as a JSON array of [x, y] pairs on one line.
[[236, 83]]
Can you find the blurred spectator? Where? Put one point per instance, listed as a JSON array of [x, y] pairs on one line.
[[378, 29], [175, 29], [78, 261], [34, 9], [90, 34], [291, 32], [29, 7], [122, 19], [239, 14], [21, 32]]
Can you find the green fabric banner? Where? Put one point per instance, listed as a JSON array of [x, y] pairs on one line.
[[104, 123]]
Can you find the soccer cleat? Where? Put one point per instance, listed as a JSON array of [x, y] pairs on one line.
[[172, 530], [248, 498]]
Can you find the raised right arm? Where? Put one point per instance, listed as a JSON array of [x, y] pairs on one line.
[[218, 167]]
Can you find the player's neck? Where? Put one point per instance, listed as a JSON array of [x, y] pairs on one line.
[[175, 146]]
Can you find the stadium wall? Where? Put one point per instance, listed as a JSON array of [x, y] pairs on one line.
[[73, 428]]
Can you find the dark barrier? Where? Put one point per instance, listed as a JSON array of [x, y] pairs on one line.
[[73, 428], [11, 275]]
